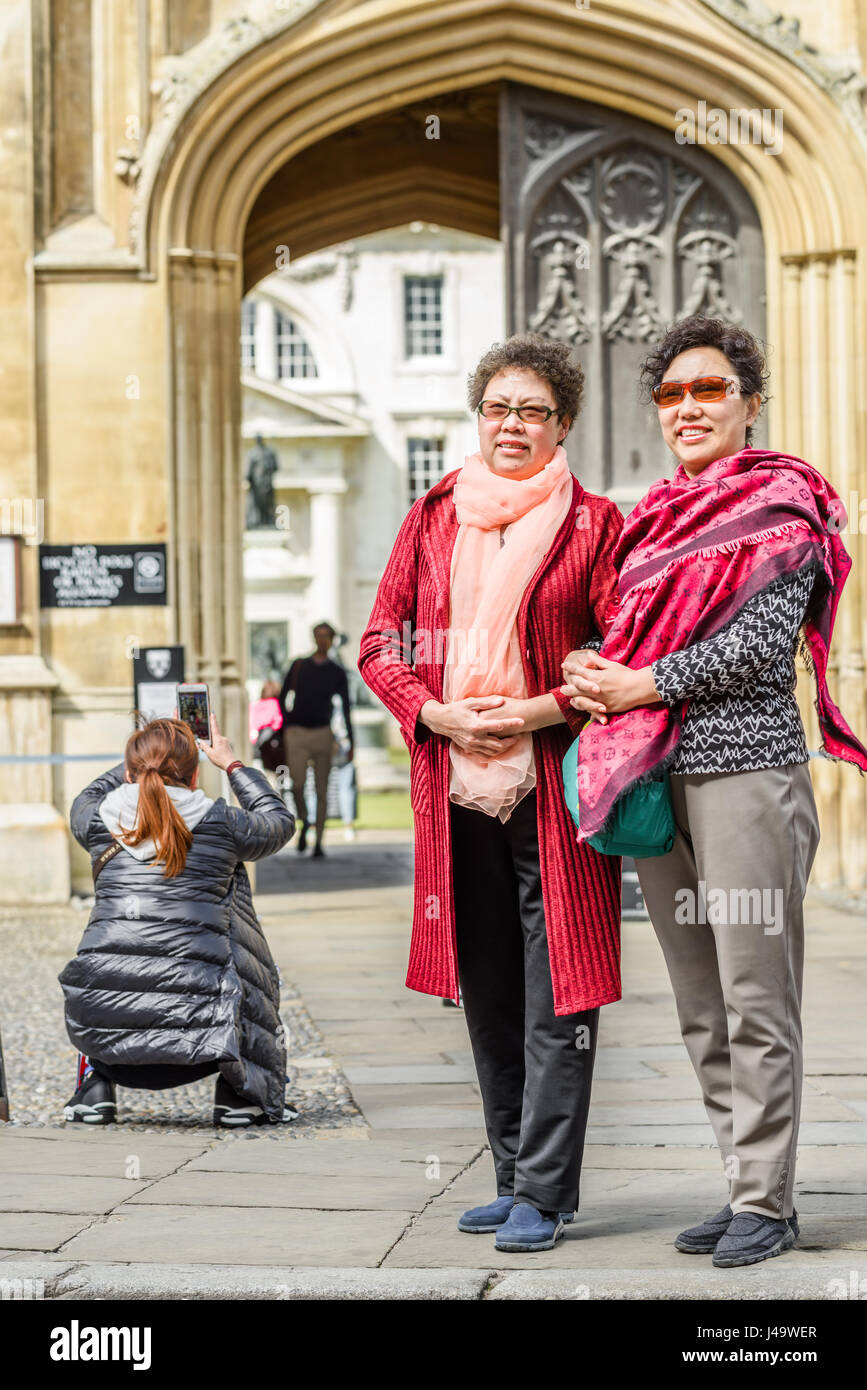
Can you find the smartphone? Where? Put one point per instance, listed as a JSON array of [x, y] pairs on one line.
[[194, 708]]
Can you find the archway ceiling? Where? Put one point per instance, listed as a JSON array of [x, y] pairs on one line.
[[383, 172]]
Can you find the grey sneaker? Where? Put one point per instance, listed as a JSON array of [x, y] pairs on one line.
[[752, 1237], [704, 1238]]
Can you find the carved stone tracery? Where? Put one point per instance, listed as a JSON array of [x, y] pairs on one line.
[[649, 206], [611, 237]]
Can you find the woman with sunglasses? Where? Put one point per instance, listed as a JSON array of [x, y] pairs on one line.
[[501, 568], [719, 569]]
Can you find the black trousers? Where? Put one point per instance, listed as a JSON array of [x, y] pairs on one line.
[[159, 1077], [534, 1069]]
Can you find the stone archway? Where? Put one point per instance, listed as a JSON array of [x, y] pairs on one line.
[[334, 68]]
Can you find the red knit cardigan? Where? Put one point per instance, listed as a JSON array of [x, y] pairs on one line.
[[401, 659]]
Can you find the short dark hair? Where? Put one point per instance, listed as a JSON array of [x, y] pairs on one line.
[[744, 351], [317, 627], [547, 357]]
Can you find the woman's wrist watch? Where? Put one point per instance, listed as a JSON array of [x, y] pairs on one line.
[[232, 766]]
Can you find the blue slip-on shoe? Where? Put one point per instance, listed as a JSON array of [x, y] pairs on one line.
[[529, 1229], [486, 1220], [752, 1237]]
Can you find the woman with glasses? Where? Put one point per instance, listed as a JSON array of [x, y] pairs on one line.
[[501, 568], [719, 570]]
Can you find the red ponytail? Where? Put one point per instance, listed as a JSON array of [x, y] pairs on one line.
[[163, 753]]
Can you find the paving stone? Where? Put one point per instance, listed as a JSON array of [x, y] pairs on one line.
[[311, 1157], [652, 1087], [843, 1087], [389, 1191], [372, 1097], [87, 1159], [859, 1106], [432, 1117], [228, 1282], [659, 1157], [250, 1235], [784, 1280], [387, 1056], [51, 1192], [432, 1140], [835, 1066], [854, 1132], [677, 1112], [34, 1230], [445, 1073]]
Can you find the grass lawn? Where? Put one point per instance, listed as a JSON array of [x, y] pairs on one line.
[[384, 811]]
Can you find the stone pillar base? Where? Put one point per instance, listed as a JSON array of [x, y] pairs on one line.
[[34, 854]]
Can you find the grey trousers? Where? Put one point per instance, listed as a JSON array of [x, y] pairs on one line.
[[727, 907], [534, 1068]]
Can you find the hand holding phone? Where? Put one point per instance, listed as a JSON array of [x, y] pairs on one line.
[[194, 708], [220, 751]]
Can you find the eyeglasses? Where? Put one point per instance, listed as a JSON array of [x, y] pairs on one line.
[[704, 388], [530, 414]]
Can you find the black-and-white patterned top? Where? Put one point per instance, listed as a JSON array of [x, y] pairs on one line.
[[742, 713]]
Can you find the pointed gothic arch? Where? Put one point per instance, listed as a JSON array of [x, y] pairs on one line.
[[335, 67]]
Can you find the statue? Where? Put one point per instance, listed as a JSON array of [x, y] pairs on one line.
[[261, 466]]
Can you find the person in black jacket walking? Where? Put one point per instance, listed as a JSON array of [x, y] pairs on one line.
[[313, 681], [173, 979]]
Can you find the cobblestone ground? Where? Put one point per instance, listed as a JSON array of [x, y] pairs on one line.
[[40, 1062]]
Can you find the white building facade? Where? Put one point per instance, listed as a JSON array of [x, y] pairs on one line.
[[354, 372]]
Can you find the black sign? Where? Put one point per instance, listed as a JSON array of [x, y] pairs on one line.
[[101, 576], [155, 672]]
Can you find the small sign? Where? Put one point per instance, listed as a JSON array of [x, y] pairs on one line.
[[101, 576], [155, 672]]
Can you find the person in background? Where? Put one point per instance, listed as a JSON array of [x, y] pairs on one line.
[[173, 979], [347, 785], [266, 730], [313, 681]]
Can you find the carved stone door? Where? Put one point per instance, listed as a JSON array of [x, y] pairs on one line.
[[612, 231]]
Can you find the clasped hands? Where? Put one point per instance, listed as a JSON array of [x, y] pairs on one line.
[[490, 725], [485, 724], [600, 687]]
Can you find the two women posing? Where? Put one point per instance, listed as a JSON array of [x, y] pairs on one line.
[[685, 665]]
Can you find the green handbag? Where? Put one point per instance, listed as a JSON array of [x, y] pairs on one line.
[[643, 823]]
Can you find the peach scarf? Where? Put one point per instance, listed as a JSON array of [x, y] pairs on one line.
[[489, 577]]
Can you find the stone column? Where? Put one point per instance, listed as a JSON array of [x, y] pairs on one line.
[[820, 389], [207, 521], [325, 550]]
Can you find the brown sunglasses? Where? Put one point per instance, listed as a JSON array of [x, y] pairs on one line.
[[704, 388]]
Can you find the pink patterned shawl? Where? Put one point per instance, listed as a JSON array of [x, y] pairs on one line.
[[690, 556]]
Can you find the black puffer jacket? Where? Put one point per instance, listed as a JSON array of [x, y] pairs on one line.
[[178, 970]]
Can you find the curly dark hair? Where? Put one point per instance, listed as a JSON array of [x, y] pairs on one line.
[[548, 358], [745, 353]]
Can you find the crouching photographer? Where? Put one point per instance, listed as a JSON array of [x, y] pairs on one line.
[[174, 979]]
